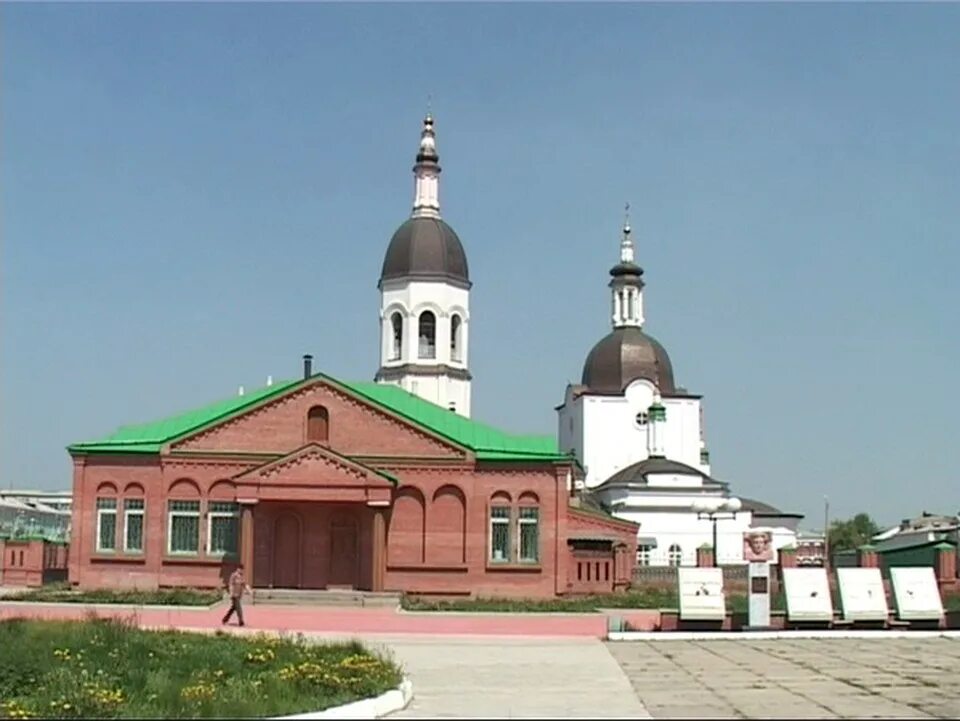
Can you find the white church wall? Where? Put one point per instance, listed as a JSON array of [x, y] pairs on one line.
[[689, 533], [682, 431], [414, 297], [570, 426], [674, 480], [411, 298], [611, 437]]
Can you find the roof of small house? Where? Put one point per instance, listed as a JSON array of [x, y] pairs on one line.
[[487, 442]]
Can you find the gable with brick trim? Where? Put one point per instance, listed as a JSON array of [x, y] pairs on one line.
[[356, 428], [315, 473]]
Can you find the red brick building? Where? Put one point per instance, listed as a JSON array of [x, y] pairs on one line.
[[319, 483], [32, 561]]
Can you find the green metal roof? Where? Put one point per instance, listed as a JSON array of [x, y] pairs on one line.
[[149, 437], [487, 442]]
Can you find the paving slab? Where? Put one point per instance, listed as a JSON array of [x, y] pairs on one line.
[[514, 678], [795, 678]]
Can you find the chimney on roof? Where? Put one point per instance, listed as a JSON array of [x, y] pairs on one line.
[[307, 366], [240, 391], [269, 381]]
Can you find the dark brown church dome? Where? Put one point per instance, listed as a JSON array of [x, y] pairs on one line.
[[627, 354], [426, 248]]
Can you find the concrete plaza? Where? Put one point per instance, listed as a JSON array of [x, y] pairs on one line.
[[795, 678], [586, 678]]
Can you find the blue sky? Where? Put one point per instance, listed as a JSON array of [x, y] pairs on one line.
[[195, 195]]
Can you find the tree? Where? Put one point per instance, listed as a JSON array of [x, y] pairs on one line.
[[852, 533]]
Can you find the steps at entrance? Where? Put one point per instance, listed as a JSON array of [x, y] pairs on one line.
[[325, 597]]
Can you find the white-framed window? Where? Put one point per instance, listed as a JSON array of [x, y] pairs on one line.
[[528, 529], [675, 555], [455, 327], [183, 527], [500, 534], [396, 336], [223, 528], [133, 525], [106, 525], [428, 335], [643, 555], [642, 418]]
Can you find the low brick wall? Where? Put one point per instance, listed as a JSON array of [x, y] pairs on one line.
[[735, 578]]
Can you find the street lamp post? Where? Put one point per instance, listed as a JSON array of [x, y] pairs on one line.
[[716, 509]]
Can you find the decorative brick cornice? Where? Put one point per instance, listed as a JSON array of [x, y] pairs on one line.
[[207, 462], [591, 518], [513, 471], [313, 453], [277, 469]]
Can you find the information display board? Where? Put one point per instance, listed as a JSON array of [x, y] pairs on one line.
[[701, 594], [915, 593], [862, 596], [808, 594]]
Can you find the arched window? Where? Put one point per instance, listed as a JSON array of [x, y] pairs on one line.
[[396, 327], [318, 425], [455, 338], [428, 334], [528, 528], [674, 555]]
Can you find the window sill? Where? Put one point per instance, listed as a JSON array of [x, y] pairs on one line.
[[102, 557], [428, 567], [514, 567], [193, 560]]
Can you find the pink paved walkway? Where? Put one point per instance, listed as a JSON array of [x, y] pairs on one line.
[[351, 621]]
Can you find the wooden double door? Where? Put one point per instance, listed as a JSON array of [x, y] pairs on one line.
[[291, 530]]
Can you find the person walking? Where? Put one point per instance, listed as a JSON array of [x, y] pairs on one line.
[[236, 585]]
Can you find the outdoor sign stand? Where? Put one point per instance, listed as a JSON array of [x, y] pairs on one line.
[[758, 610]]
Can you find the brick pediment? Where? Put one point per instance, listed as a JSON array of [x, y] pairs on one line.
[[357, 428], [314, 473]]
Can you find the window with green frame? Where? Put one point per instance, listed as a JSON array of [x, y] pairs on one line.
[[528, 528], [106, 525], [223, 528], [133, 525], [500, 534], [183, 527]]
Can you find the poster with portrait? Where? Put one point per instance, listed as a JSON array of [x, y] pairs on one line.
[[757, 546], [915, 593]]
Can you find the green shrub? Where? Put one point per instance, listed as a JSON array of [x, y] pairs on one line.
[[645, 598], [62, 593], [109, 669]]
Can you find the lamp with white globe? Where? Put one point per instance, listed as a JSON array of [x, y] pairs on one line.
[[715, 509]]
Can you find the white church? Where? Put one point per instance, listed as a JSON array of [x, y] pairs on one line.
[[637, 435]]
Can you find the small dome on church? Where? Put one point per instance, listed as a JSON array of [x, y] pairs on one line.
[[626, 355], [425, 247]]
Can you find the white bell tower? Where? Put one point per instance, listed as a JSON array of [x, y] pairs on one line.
[[425, 296]]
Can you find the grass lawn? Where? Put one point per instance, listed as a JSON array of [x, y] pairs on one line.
[[62, 593], [107, 669], [652, 598]]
